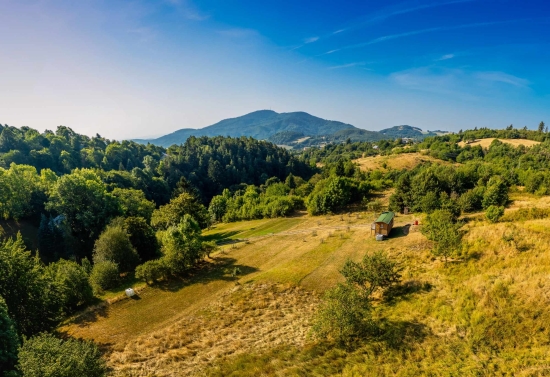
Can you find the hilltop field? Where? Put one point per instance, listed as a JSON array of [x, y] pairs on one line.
[[487, 141], [257, 321]]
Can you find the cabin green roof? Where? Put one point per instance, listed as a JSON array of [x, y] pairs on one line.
[[385, 217]]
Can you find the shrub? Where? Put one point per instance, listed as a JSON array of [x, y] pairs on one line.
[[344, 314], [494, 213], [375, 271], [114, 245], [71, 281], [47, 356], [152, 271], [104, 275]]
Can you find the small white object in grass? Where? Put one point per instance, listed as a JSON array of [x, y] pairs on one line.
[[130, 292]]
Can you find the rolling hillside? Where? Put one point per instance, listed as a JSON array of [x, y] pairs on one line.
[[471, 317], [260, 125], [298, 128]]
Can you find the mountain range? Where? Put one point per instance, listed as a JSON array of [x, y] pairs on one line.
[[296, 129]]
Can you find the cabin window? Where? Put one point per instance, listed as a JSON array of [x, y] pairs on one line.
[[381, 226]]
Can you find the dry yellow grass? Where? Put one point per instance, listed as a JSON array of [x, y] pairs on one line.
[[211, 319], [399, 161], [248, 318], [485, 143]]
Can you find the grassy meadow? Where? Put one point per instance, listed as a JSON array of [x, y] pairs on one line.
[[484, 313]]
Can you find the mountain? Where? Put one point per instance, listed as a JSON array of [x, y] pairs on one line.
[[408, 132], [297, 130], [259, 125]]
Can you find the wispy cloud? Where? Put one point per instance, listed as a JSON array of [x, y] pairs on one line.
[[397, 10], [349, 65], [386, 13], [445, 57], [456, 82], [311, 40], [188, 10], [501, 77], [418, 32]]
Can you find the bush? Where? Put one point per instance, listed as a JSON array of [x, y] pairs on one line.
[[105, 275], [71, 281], [343, 316], [375, 271], [494, 213], [47, 356], [114, 245], [496, 193], [152, 271]]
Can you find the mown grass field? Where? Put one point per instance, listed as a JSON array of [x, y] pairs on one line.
[[399, 161], [485, 143], [485, 313]]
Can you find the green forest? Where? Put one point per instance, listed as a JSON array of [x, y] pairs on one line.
[[107, 212]]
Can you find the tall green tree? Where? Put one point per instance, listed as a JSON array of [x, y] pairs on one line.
[[133, 203], [81, 197], [142, 237], [182, 245], [71, 282], [172, 213], [376, 271], [441, 228], [9, 340], [48, 356], [114, 245], [344, 315], [32, 298]]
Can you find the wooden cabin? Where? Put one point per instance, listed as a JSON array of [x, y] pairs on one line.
[[384, 223]]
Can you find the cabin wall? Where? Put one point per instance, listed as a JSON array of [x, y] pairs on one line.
[[383, 228]]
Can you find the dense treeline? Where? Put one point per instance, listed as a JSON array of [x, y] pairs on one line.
[[104, 210], [64, 150], [212, 164]]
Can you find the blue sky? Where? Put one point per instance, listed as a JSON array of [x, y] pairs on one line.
[[145, 68]]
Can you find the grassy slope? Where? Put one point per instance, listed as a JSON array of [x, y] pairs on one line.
[[400, 161], [485, 143], [485, 314]]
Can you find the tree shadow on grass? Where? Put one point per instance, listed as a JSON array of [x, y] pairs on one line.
[[221, 237], [91, 314], [223, 268], [404, 290], [402, 334]]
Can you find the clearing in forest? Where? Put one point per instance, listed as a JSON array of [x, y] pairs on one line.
[[395, 161], [256, 322], [485, 143]]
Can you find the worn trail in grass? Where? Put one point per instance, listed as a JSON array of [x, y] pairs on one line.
[[293, 254]]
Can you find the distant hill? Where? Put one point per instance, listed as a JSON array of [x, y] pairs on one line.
[[259, 125], [406, 131], [296, 129]]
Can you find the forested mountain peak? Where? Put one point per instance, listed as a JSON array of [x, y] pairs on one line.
[[260, 125]]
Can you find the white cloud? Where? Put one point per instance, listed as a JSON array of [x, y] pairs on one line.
[[349, 65], [456, 82], [446, 57], [501, 77], [311, 40]]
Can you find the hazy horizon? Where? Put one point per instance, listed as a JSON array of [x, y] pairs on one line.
[[144, 69]]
